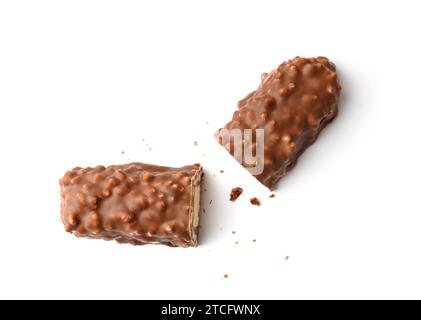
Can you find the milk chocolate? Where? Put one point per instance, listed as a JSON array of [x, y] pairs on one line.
[[235, 193], [292, 105], [134, 203]]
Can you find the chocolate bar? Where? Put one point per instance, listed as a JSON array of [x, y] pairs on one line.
[[291, 106], [134, 203]]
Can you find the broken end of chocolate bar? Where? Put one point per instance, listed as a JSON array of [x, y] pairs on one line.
[[291, 106], [134, 203], [195, 206]]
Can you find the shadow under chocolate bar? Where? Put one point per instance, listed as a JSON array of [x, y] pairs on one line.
[[291, 106], [134, 203]]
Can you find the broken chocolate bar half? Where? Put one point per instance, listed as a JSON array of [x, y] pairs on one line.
[[276, 123], [133, 203]]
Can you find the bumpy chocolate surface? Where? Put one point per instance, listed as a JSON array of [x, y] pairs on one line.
[[292, 104], [134, 203]]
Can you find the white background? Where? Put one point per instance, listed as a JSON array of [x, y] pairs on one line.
[[82, 81]]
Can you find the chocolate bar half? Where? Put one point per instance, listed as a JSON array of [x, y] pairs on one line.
[[289, 109], [133, 203]]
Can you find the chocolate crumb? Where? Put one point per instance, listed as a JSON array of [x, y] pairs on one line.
[[123, 152], [254, 240], [195, 143], [236, 242], [286, 258], [255, 202], [222, 171], [210, 202], [235, 193], [225, 276], [233, 232], [204, 210], [272, 195]]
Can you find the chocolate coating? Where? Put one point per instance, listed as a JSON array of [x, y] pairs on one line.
[[292, 104], [134, 203]]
